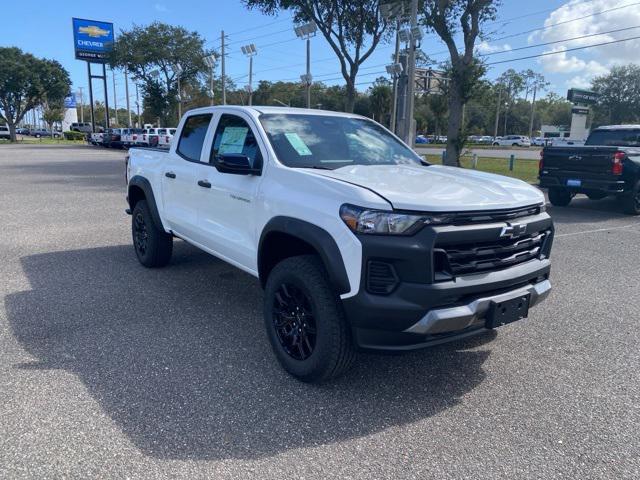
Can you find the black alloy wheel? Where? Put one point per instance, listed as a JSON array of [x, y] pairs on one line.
[[294, 321], [141, 234]]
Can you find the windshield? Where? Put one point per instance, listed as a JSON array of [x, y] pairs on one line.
[[321, 141], [615, 138]]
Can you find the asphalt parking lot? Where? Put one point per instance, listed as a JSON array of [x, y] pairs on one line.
[[111, 370]]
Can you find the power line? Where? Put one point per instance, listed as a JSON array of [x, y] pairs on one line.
[[560, 41], [565, 50]]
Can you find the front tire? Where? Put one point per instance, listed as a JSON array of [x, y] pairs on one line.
[[631, 201], [560, 197], [305, 322], [152, 244]]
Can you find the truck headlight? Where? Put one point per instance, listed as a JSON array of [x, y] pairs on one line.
[[380, 222]]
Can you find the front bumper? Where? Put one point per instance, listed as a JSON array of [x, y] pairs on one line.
[[425, 308], [608, 186], [443, 320]]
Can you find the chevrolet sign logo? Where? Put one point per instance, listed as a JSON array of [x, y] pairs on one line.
[[94, 31], [513, 231]]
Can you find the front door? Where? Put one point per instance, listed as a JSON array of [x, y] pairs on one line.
[[227, 209]]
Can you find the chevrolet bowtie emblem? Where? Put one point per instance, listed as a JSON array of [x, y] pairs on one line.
[[512, 231], [93, 31]]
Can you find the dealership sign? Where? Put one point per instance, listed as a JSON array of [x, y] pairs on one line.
[[92, 40], [583, 97]]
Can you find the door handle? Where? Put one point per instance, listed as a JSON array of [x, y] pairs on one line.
[[170, 175], [204, 183]]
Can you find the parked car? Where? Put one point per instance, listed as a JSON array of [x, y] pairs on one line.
[[512, 141], [4, 132], [23, 131], [152, 136], [540, 141], [165, 137], [129, 136], [41, 132], [96, 138], [421, 139], [112, 138], [607, 164], [485, 140], [84, 127], [357, 242]]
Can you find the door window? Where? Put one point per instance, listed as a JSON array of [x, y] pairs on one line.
[[234, 135], [192, 136]]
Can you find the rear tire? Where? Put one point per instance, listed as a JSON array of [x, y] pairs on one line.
[[560, 197], [305, 322], [152, 244], [631, 201]]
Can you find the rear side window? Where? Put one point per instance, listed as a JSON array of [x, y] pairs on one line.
[[234, 135], [614, 138], [192, 136]]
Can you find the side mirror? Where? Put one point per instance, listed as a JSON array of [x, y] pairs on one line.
[[236, 164]]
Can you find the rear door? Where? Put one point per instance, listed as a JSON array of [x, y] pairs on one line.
[[180, 177], [227, 209]]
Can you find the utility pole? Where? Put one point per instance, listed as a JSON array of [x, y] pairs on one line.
[[178, 70], [223, 78], [81, 105], [533, 110], [139, 123], [495, 130], [411, 88], [126, 92], [115, 97], [396, 59]]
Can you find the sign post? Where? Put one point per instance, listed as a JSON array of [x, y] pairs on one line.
[[93, 40]]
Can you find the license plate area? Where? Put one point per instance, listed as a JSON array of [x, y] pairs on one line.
[[508, 311], [572, 182]]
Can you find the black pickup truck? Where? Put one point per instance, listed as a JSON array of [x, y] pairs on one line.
[[608, 164]]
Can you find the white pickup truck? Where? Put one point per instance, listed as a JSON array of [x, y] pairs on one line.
[[358, 243]]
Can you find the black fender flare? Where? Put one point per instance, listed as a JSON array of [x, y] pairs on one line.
[[145, 186], [318, 238]]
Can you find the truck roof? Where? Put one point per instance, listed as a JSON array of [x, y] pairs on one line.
[[257, 110], [619, 127]]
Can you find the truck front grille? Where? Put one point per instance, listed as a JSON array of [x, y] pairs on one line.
[[469, 258]]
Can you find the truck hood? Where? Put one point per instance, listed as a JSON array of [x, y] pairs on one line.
[[437, 188]]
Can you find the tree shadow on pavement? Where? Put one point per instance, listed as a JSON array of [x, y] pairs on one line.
[[179, 360]]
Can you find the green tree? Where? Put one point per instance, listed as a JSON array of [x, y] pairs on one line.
[[353, 29], [380, 98], [160, 56], [53, 111], [26, 82], [450, 20], [619, 95]]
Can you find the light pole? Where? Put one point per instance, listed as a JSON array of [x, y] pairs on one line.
[[155, 74], [393, 12], [178, 70], [395, 70], [250, 51], [210, 60], [81, 104], [305, 32]]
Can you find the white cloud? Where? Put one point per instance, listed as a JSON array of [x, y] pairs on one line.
[[590, 62], [160, 8], [485, 47]]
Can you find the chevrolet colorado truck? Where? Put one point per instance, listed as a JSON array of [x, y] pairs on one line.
[[358, 243], [607, 164]]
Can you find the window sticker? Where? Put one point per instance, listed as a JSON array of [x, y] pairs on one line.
[[233, 139], [299, 145]]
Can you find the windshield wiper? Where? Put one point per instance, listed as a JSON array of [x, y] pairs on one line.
[[316, 167]]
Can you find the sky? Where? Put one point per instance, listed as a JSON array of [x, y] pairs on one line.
[[43, 28]]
